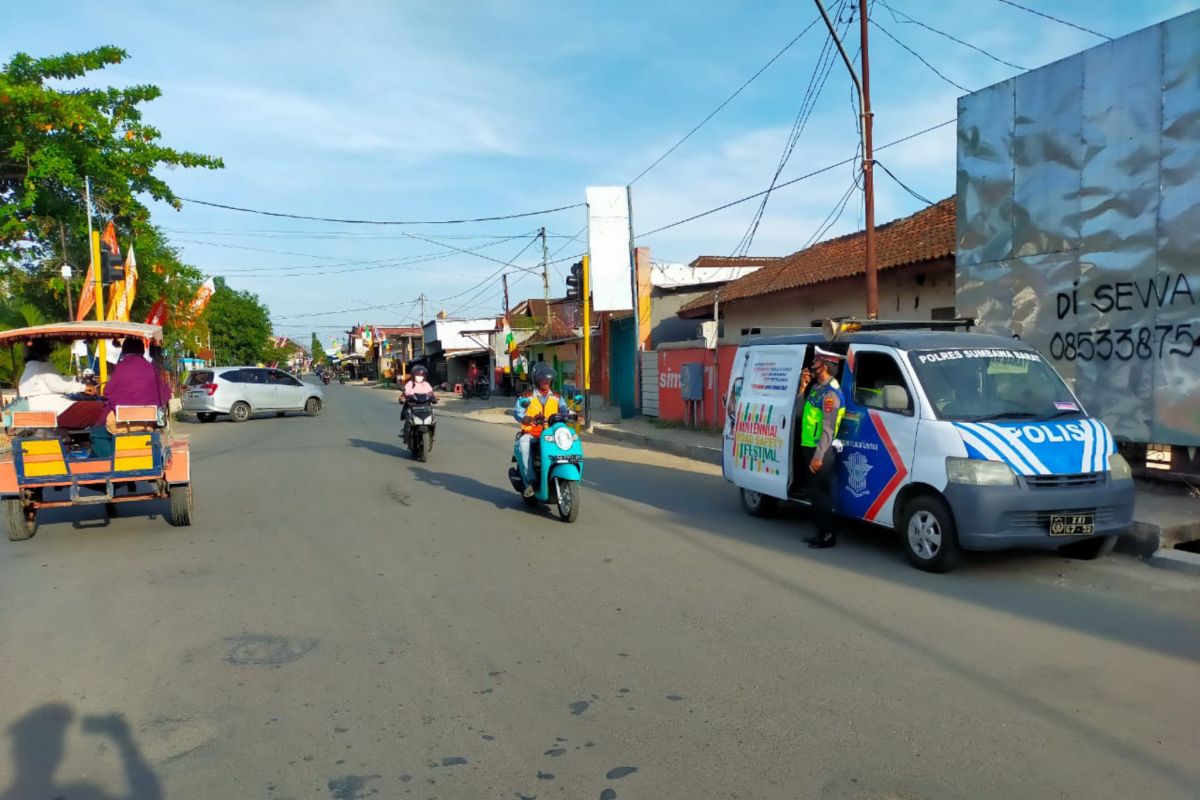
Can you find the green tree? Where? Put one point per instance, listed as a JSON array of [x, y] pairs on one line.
[[316, 350], [239, 326], [52, 137]]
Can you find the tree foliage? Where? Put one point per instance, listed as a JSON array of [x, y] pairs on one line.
[[316, 350], [53, 133], [51, 138], [240, 326]]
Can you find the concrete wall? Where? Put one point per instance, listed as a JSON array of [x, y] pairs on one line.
[[904, 293], [665, 326]]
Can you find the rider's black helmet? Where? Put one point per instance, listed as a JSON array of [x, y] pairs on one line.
[[543, 371], [420, 369]]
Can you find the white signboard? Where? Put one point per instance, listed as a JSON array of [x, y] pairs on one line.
[[608, 246]]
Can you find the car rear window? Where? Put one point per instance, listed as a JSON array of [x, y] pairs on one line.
[[200, 377]]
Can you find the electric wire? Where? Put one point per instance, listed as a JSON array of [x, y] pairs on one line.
[[791, 182], [1056, 19], [920, 58], [286, 215], [904, 185], [913, 21], [726, 102], [816, 85]]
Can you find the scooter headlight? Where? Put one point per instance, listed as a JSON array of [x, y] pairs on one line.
[[563, 438]]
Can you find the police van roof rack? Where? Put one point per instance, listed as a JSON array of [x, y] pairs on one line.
[[833, 328]]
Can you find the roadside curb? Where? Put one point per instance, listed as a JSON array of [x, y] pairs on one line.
[[1175, 560], [498, 417], [709, 455]]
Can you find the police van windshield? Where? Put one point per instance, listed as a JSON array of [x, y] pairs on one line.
[[972, 385]]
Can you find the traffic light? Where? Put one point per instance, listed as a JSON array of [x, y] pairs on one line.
[[575, 281], [112, 269]]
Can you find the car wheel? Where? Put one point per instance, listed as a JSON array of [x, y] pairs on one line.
[[757, 504], [312, 406], [180, 512], [1089, 549], [240, 412], [206, 416], [930, 535], [22, 522]]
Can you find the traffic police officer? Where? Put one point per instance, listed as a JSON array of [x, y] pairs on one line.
[[824, 408]]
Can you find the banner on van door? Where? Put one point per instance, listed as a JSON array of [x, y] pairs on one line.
[[758, 439]]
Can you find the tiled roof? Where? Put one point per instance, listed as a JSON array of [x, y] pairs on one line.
[[927, 235], [722, 262]]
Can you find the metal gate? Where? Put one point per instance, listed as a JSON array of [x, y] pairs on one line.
[[649, 383]]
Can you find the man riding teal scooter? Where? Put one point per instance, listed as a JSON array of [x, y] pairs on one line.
[[548, 454]]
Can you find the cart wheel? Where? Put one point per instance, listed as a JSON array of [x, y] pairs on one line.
[[22, 522], [180, 514]]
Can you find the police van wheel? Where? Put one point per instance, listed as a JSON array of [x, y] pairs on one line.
[[929, 535], [757, 504], [1089, 549]]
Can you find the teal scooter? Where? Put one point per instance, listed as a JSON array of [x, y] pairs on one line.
[[557, 465]]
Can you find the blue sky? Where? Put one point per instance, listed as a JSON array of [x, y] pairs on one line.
[[466, 108]]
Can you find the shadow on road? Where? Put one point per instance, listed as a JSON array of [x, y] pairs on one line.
[[469, 487], [985, 579], [382, 448], [39, 744]]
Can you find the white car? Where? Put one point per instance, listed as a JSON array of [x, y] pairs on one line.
[[242, 391]]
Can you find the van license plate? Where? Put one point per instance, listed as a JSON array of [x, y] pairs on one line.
[[1072, 524]]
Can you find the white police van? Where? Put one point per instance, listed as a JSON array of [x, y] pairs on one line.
[[958, 440]]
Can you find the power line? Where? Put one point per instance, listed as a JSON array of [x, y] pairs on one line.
[[816, 84], [492, 277], [920, 58], [785, 184], [347, 310], [832, 218], [1056, 19], [284, 233], [912, 20], [400, 262], [379, 222], [903, 185], [726, 102], [471, 252]]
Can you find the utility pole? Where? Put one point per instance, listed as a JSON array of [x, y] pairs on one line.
[[66, 272], [422, 299], [97, 280], [868, 164], [545, 268], [585, 298]]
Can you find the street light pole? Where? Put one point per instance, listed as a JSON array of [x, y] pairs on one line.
[[868, 164]]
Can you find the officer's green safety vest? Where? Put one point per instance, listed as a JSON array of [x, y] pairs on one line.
[[810, 421]]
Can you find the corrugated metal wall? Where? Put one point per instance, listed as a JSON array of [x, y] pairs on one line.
[[1079, 223]]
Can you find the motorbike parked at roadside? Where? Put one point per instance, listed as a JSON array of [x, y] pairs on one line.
[[557, 464]]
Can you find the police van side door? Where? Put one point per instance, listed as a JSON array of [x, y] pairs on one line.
[[759, 423], [878, 433]]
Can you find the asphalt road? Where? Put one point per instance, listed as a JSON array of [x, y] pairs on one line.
[[343, 623]]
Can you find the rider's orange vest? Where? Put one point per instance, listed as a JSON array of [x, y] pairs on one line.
[[535, 408]]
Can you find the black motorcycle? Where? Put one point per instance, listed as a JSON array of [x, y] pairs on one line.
[[479, 388], [422, 426]]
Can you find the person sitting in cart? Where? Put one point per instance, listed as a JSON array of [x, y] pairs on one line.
[[135, 381], [45, 389]]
